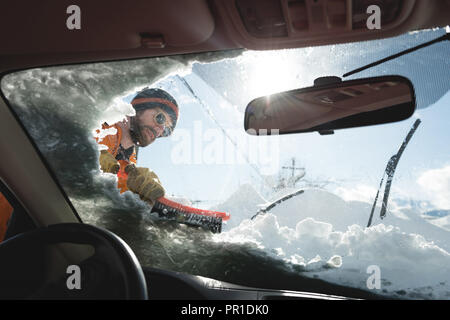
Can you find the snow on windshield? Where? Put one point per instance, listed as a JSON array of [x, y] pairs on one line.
[[210, 162]]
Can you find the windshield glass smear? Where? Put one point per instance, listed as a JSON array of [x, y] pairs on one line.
[[210, 162]]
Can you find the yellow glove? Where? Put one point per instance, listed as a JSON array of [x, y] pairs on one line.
[[108, 163], [144, 182]]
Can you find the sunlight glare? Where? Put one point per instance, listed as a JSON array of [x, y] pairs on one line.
[[271, 72]]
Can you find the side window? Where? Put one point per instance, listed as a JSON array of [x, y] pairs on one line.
[[5, 215]]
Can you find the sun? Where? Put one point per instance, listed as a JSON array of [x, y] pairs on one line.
[[270, 72]]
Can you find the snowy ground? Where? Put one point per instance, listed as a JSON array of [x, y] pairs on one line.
[[326, 236], [443, 223]]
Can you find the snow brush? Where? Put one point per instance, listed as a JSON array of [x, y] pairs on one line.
[[174, 211]]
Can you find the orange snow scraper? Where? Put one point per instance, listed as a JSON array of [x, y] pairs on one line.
[[174, 211]]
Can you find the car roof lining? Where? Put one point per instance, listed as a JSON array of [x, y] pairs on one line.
[[93, 42]]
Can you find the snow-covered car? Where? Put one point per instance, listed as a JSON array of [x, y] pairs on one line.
[[303, 223]]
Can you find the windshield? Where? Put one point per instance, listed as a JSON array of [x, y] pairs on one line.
[[210, 162]]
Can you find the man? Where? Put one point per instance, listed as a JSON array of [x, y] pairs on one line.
[[156, 117]]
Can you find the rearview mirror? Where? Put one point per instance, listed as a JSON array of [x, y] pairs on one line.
[[332, 104]]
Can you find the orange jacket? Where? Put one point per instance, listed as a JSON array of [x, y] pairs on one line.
[[113, 143], [5, 213]]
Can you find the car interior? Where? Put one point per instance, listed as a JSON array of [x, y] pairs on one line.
[[45, 234]]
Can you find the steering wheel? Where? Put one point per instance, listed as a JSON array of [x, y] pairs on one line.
[[113, 264]]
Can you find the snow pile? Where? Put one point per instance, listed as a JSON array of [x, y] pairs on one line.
[[328, 207], [408, 262], [320, 233]]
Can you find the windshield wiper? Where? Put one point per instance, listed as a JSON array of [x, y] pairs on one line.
[[389, 172], [394, 56]]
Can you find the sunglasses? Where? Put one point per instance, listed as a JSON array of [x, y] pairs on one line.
[[161, 119]]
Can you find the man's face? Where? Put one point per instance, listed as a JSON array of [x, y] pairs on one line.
[[150, 124]]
